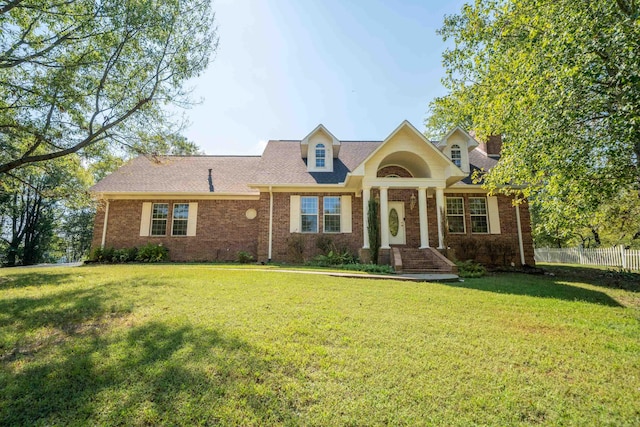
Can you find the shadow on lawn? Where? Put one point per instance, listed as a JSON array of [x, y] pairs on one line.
[[22, 280], [536, 286], [91, 369]]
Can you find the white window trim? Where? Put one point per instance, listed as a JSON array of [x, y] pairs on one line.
[[166, 221], [316, 214], [173, 219], [324, 215], [447, 215], [322, 147], [485, 215], [456, 147]]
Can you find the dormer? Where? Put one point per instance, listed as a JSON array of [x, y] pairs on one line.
[[319, 148], [456, 145]]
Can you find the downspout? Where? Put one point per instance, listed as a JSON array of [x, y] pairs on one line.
[[104, 226], [520, 244], [270, 222]]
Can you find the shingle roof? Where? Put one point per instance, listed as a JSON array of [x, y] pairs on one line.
[[477, 161], [183, 174], [280, 163]]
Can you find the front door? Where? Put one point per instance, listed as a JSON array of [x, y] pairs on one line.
[[396, 223]]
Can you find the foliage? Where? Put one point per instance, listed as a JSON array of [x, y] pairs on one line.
[[244, 257], [95, 77], [559, 80], [500, 251], [295, 247], [152, 253], [468, 249], [325, 243], [334, 257], [369, 268], [470, 269], [373, 228], [36, 201], [201, 345]]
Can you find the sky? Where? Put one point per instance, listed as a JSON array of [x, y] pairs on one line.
[[282, 67]]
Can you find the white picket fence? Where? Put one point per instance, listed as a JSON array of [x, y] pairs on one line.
[[618, 256]]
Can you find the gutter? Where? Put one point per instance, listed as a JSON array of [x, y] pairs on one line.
[[104, 226]]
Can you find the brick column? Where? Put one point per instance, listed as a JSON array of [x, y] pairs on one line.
[[384, 219], [366, 194], [424, 224], [439, 210]]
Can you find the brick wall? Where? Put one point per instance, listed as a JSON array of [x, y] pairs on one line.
[[222, 229], [487, 242], [284, 240]]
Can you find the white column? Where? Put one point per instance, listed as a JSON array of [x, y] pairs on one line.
[[384, 219], [440, 210], [424, 226], [366, 194]]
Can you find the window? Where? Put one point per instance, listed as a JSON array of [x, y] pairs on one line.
[[478, 211], [159, 216], [331, 214], [455, 214], [180, 219], [456, 155], [320, 155], [309, 214]]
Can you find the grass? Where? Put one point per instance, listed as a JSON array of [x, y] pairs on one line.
[[196, 344]]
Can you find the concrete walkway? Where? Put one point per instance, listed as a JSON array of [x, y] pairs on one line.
[[362, 275]]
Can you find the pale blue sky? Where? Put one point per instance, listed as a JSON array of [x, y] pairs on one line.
[[282, 67]]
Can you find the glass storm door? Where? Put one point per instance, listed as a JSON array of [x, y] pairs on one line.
[[396, 223]]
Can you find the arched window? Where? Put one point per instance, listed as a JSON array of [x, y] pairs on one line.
[[456, 155], [321, 153]]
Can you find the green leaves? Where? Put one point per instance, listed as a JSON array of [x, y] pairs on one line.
[[74, 74], [561, 81]]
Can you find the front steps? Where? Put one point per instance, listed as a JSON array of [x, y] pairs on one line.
[[421, 261]]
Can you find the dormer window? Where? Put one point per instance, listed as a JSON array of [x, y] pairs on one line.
[[456, 155], [321, 154]]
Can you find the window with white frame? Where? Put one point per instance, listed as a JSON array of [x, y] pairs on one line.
[[455, 214], [456, 155], [321, 153], [159, 215], [180, 219], [478, 212], [309, 214], [331, 214]]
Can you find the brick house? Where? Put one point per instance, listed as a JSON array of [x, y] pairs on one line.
[[300, 195]]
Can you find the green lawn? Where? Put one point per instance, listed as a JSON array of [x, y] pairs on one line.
[[199, 344]]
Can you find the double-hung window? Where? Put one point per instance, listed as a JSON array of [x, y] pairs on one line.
[[180, 219], [455, 214], [159, 217], [309, 214], [331, 214], [321, 153], [478, 212], [456, 155]]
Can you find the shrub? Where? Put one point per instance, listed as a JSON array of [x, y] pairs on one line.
[[325, 244], [244, 257], [369, 268], [152, 253], [470, 269], [467, 249], [334, 258], [295, 248]]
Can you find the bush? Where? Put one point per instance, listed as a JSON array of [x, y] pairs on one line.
[[467, 249], [152, 253], [334, 258], [369, 268], [470, 269], [244, 257], [295, 248]]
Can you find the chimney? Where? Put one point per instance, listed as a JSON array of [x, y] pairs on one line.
[[492, 146]]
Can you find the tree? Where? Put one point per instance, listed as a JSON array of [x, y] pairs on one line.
[[34, 202], [88, 76], [561, 81]]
